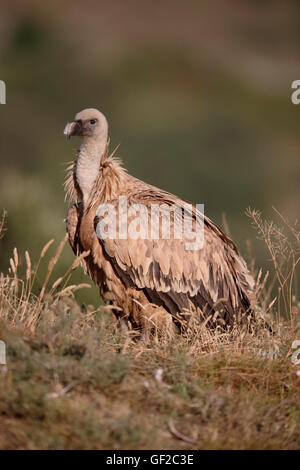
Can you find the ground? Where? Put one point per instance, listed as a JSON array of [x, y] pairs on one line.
[[76, 383], [74, 380]]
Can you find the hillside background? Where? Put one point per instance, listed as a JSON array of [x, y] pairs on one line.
[[197, 93]]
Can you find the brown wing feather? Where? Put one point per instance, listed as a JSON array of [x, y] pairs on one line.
[[72, 226], [175, 277]]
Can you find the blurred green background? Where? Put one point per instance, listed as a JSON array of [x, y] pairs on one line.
[[197, 93]]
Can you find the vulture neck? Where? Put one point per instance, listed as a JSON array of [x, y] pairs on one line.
[[88, 165]]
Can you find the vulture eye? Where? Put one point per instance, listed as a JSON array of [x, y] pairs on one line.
[[79, 121], [93, 121]]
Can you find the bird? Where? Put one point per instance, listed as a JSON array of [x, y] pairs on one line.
[[151, 282]]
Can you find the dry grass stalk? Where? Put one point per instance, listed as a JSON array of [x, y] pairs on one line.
[[283, 245]]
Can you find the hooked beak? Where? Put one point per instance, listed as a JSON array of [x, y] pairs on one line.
[[72, 128]]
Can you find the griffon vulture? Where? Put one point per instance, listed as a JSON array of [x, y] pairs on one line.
[[148, 279]]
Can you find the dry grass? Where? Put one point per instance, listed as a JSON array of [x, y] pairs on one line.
[[283, 245], [75, 381]]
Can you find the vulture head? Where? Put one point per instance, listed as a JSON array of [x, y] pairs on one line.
[[88, 124]]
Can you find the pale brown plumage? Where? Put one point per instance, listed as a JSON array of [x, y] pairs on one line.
[[148, 279]]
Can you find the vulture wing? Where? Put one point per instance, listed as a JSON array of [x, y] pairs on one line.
[[212, 279], [72, 225]]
